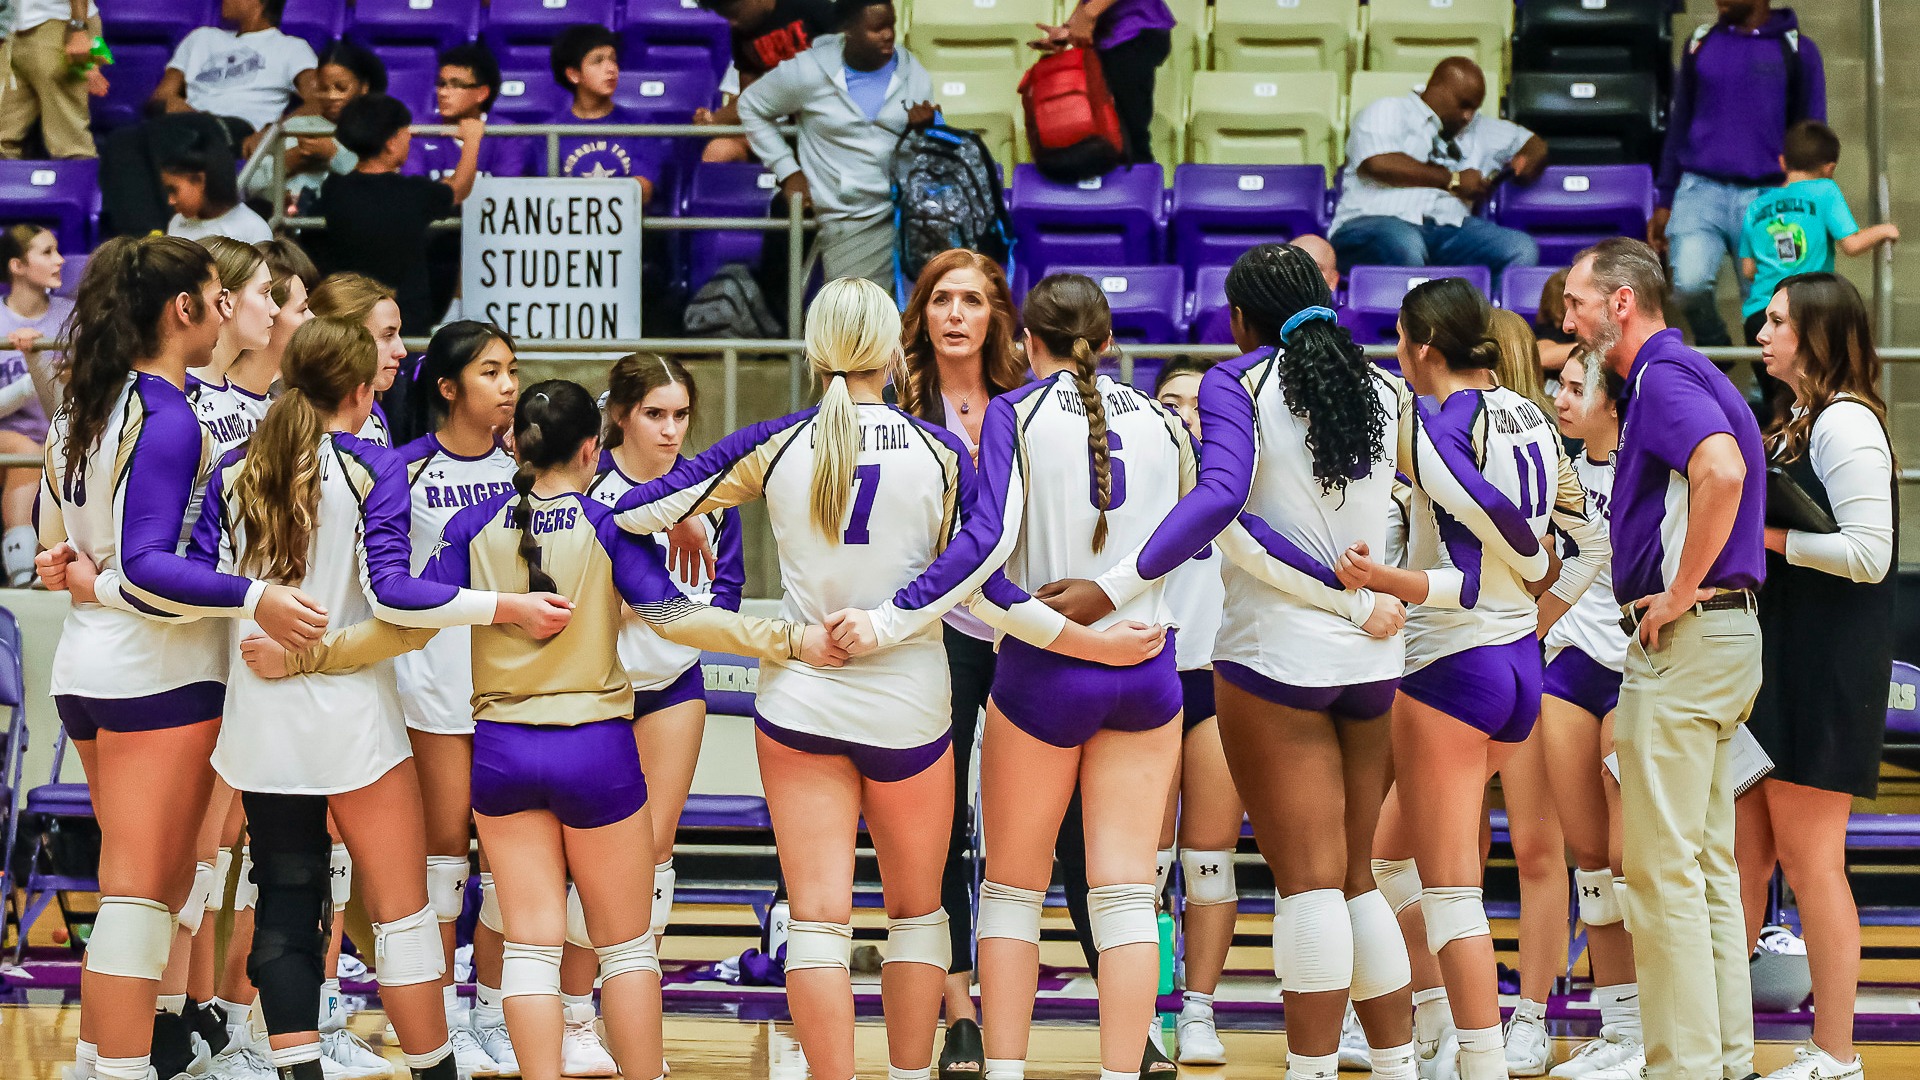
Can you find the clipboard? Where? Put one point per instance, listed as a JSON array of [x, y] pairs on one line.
[[1790, 507], [1746, 759]]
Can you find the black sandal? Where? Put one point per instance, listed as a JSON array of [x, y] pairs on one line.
[[963, 1055]]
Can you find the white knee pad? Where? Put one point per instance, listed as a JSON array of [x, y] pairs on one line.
[[819, 945], [1316, 942], [1007, 912], [1399, 882], [408, 951], [246, 892], [490, 905], [1598, 904], [1452, 914], [1162, 870], [446, 885], [922, 939], [529, 970], [132, 936], [222, 870], [1620, 898], [577, 919], [635, 955], [1209, 877], [1123, 915], [195, 906], [340, 876], [664, 878], [1380, 964]]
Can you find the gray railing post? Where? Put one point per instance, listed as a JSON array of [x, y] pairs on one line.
[[796, 293], [1880, 198]]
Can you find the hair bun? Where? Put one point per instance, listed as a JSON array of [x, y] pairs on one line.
[[1485, 353]]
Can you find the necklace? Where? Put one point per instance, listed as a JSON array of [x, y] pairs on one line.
[[966, 404]]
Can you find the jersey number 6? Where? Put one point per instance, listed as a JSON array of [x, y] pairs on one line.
[[1116, 470]]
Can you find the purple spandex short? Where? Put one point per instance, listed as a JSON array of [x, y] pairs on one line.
[[1495, 688], [1196, 698], [1579, 679], [86, 717], [1064, 702], [690, 686], [587, 775], [1360, 701], [880, 764]]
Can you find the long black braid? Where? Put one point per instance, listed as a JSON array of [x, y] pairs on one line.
[[1326, 379]]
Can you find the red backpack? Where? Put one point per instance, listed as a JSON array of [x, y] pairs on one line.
[[1073, 130]]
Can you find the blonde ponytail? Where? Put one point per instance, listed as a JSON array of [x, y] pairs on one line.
[[852, 327]]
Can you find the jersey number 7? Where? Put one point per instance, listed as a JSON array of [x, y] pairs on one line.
[[866, 484]]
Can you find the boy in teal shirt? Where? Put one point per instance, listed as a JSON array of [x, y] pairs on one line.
[[1794, 229]]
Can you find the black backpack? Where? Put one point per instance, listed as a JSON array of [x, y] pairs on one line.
[[946, 194], [730, 305]]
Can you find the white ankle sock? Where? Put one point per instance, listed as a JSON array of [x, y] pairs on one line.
[[486, 995], [16, 550], [1530, 1009], [1304, 1067], [1432, 1014], [1195, 1004], [1483, 1054], [1619, 1006], [1004, 1069], [894, 1072], [173, 1003], [1123, 1074], [129, 1068]]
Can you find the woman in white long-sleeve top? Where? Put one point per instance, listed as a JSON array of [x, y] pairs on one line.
[[1826, 617]]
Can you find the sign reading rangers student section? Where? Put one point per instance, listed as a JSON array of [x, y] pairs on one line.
[[547, 258]]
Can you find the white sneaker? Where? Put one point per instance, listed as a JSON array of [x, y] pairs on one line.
[[1199, 1042], [1529, 1050], [1628, 1068], [1781, 941], [356, 1059], [241, 1061], [581, 1051], [468, 1058], [495, 1041], [1355, 1054], [1812, 1063], [1439, 1059], [1611, 1048]]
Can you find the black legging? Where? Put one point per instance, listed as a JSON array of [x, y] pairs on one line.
[[291, 850], [1129, 68], [970, 668]]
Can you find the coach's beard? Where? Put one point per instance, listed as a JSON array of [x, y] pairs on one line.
[[1605, 337]]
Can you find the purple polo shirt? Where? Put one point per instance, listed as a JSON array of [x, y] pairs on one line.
[[1674, 400], [1125, 20]]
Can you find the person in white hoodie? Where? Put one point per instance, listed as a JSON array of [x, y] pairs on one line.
[[855, 94]]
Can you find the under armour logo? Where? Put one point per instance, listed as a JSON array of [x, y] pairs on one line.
[[659, 894], [1209, 869], [336, 871], [437, 474], [1590, 890]]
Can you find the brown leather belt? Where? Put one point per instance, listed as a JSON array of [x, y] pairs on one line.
[[1724, 600]]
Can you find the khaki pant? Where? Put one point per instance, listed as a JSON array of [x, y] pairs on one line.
[[42, 86], [858, 247], [1679, 707]]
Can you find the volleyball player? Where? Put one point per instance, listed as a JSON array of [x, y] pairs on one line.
[[123, 456], [358, 298], [558, 783], [1489, 475], [253, 376]]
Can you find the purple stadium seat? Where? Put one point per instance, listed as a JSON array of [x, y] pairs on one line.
[[154, 22], [528, 95], [668, 92], [1149, 302], [1220, 211], [70, 274], [1520, 288], [1111, 220], [135, 71], [412, 85], [1572, 206], [62, 194], [1374, 292], [728, 189], [676, 32], [434, 24], [520, 31], [1211, 321], [318, 22]]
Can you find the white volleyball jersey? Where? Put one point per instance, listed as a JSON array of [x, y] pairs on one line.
[[375, 430], [1195, 594], [436, 683], [148, 633], [223, 413], [909, 481], [1592, 625], [1489, 474], [252, 406], [653, 662]]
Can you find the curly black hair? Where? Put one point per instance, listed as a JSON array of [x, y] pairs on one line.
[[1326, 379]]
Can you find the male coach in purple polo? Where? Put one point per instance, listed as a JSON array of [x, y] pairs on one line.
[[1688, 502]]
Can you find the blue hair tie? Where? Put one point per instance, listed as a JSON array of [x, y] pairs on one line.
[[1305, 315]]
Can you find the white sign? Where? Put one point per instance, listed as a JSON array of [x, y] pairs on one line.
[[552, 258]]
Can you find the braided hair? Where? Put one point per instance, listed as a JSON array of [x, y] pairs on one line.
[[551, 421], [1070, 316], [1326, 379]]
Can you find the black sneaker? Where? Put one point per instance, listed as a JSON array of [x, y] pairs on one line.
[[176, 1053], [1156, 1065], [210, 1022], [963, 1055]]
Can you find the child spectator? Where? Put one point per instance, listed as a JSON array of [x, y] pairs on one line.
[[586, 64], [202, 190], [465, 89], [51, 69], [1794, 229], [765, 34], [377, 219], [1133, 38], [347, 71], [1556, 345], [31, 313]]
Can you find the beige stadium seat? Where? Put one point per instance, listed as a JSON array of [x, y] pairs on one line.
[[1191, 27], [988, 104], [1285, 35], [1414, 35], [957, 35], [1370, 86], [1237, 118]]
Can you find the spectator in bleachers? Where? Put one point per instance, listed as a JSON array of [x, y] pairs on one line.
[[855, 94], [1417, 166], [205, 197], [1555, 344], [52, 67], [31, 313], [347, 72], [465, 89], [586, 63], [1133, 38], [765, 34], [1323, 257], [1744, 80], [377, 219]]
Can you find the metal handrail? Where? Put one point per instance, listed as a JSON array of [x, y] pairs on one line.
[[1880, 188]]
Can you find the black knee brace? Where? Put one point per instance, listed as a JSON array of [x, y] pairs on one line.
[[290, 923]]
